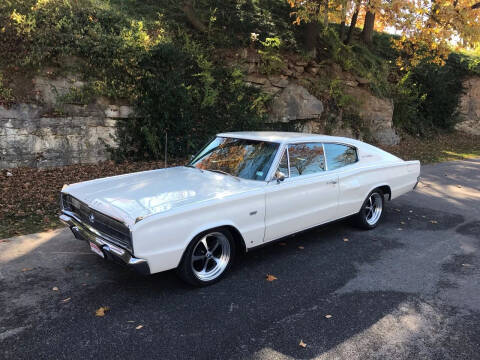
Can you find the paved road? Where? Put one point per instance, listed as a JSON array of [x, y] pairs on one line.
[[409, 289]]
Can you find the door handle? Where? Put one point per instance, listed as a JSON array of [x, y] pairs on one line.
[[333, 182]]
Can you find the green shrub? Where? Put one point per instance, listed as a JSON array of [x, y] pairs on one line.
[[428, 95], [270, 59], [106, 43], [6, 95], [182, 95]]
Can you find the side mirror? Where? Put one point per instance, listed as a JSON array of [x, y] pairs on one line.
[[279, 176]]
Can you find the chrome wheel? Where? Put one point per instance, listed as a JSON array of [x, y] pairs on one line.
[[373, 209], [210, 256]]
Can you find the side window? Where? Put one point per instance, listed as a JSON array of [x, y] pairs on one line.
[[340, 155], [306, 159], [283, 165]]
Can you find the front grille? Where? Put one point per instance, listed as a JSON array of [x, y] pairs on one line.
[[116, 231]]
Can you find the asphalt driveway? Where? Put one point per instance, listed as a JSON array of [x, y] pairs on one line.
[[409, 289]]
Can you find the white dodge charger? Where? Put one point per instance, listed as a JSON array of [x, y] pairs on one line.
[[242, 190]]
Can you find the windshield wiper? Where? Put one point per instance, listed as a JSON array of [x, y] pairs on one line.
[[223, 172]]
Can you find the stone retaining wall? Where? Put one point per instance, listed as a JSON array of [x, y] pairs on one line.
[[29, 137]]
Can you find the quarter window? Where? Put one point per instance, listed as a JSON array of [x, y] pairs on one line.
[[340, 155], [306, 158]]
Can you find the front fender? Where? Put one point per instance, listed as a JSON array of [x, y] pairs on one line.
[[162, 240]]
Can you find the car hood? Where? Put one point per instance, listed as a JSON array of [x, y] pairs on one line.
[[132, 197]]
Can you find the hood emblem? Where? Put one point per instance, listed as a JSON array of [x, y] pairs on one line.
[[91, 217]]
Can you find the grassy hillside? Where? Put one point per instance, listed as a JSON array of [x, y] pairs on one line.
[[157, 55]]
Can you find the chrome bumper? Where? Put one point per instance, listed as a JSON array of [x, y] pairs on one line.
[[111, 251]]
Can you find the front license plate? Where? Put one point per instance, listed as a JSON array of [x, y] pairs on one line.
[[96, 249]]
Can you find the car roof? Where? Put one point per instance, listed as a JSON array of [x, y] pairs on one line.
[[287, 137]]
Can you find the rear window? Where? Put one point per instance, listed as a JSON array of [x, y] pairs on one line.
[[340, 155]]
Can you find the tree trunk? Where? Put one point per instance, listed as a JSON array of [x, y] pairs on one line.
[[353, 23], [192, 17], [325, 15], [343, 17], [367, 33], [310, 36]]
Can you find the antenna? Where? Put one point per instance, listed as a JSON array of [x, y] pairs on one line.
[[166, 143]]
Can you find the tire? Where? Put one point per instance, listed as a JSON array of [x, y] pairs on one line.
[[371, 211], [208, 257]]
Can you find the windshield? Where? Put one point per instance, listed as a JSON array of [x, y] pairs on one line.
[[247, 159]]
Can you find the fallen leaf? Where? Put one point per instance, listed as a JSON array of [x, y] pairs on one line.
[[467, 265], [139, 327], [282, 244], [402, 222], [301, 247], [345, 239], [399, 229], [302, 344], [271, 277], [26, 269], [410, 211], [328, 316], [101, 311], [55, 288], [66, 300], [130, 321], [434, 221], [397, 210]]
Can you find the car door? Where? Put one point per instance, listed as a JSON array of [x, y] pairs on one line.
[[342, 159], [307, 196]]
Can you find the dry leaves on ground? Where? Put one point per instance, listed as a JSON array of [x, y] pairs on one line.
[[29, 198], [301, 247], [434, 221], [55, 288], [66, 300], [440, 147], [302, 344], [139, 327], [270, 277], [345, 239], [101, 311], [26, 269], [328, 316]]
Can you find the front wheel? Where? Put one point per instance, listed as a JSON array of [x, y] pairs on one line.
[[372, 210], [207, 258]]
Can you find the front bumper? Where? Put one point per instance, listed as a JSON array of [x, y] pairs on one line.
[[110, 251]]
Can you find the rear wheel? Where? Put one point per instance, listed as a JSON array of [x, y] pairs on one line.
[[207, 258], [372, 210]]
